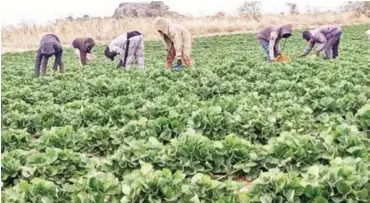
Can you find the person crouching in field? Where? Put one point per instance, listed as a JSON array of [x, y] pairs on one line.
[[269, 38], [368, 34], [177, 40], [127, 46], [83, 47], [49, 46], [328, 36]]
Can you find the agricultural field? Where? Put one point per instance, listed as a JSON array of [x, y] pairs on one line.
[[232, 129]]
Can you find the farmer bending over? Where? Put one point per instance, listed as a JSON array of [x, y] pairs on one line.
[[83, 47], [328, 36], [177, 40], [49, 46], [269, 38], [127, 46]]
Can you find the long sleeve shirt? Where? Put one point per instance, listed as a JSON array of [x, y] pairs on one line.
[[321, 35], [84, 45], [49, 46]]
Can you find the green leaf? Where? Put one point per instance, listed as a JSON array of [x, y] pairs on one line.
[[185, 189], [46, 200], [178, 177], [153, 141], [24, 186], [343, 187], [337, 198], [243, 197], [125, 200], [314, 171], [309, 191], [37, 181], [320, 200], [363, 194], [146, 168], [199, 168], [195, 199], [126, 189], [290, 195], [266, 198]]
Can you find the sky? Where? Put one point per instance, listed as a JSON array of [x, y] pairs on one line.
[[43, 11]]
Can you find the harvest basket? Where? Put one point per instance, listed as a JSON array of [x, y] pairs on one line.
[[282, 58]]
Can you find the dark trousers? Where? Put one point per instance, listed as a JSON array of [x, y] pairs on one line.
[[332, 46]]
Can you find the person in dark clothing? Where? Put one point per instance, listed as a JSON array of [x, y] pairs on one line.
[[83, 47], [270, 37], [129, 45], [49, 46]]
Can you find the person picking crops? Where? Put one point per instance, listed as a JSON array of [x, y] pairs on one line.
[[270, 37], [49, 46], [129, 45], [83, 47], [177, 40], [327, 36]]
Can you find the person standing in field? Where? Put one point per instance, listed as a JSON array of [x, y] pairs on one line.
[[83, 47], [177, 40], [269, 38], [127, 46], [329, 38], [49, 46]]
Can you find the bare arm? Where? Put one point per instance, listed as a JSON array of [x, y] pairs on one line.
[[308, 48]]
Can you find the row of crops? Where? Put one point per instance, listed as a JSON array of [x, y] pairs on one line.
[[298, 132]]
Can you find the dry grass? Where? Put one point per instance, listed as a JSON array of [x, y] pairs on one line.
[[103, 30]]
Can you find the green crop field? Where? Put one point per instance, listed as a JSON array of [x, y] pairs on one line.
[[298, 131]]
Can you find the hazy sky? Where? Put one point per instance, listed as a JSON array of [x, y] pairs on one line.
[[41, 11]]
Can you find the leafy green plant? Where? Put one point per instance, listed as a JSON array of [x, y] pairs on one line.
[[38, 190], [293, 152], [12, 165], [129, 156], [345, 180], [15, 139], [227, 120], [57, 165], [94, 187], [150, 185]]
